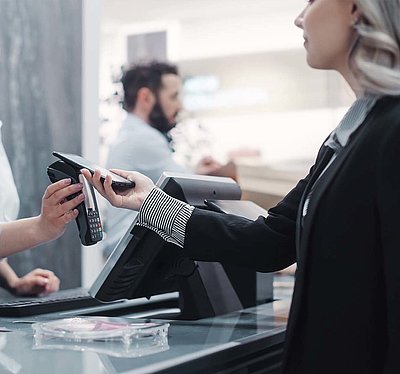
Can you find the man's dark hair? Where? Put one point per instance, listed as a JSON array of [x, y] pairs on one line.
[[144, 75]]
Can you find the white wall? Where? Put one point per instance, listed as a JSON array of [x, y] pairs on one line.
[[92, 12]]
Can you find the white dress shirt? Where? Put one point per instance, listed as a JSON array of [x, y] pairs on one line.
[[142, 148], [9, 200]]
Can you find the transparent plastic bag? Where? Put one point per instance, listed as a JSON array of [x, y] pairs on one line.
[[78, 329]]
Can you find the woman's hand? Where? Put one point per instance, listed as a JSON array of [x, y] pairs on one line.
[[57, 211], [36, 282], [131, 198]]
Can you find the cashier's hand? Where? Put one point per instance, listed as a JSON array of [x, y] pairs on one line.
[[37, 282], [131, 198], [57, 211]]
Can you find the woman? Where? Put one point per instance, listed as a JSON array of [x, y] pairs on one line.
[[340, 223]]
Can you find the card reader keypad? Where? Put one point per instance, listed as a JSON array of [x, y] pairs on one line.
[[96, 231]]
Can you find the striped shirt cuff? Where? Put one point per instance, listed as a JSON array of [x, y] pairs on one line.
[[165, 215]]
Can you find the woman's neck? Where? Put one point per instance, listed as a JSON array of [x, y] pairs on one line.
[[352, 81]]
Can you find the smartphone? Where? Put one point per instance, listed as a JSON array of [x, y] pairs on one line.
[[79, 162]]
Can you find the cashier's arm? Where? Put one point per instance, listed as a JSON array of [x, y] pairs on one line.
[[55, 214]]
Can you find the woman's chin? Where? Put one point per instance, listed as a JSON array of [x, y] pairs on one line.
[[315, 64]]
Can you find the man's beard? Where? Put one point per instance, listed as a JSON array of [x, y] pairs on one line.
[[159, 121]]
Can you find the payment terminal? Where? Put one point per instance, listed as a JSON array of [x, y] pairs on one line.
[[88, 220]]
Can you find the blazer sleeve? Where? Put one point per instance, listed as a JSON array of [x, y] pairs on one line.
[[388, 207], [267, 244]]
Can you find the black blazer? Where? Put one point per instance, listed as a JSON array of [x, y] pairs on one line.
[[345, 314]]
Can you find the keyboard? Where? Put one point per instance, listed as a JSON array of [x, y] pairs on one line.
[[74, 298]]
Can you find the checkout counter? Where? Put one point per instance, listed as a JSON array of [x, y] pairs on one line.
[[248, 339]]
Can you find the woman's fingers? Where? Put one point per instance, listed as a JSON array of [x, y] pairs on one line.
[[95, 181], [104, 188], [129, 198], [114, 198]]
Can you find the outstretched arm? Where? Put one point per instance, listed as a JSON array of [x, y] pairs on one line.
[[267, 244], [56, 213]]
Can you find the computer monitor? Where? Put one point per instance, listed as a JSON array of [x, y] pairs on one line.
[[143, 264]]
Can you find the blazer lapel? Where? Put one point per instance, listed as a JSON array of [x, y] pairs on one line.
[[326, 155], [319, 187]]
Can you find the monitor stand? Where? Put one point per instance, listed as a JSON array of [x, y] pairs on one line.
[[208, 292], [204, 290]]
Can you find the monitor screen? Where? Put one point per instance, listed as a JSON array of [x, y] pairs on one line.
[[143, 264]]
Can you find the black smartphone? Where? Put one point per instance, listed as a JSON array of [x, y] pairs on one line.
[[79, 162]]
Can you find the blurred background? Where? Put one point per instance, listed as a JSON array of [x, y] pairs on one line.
[[246, 82], [248, 94]]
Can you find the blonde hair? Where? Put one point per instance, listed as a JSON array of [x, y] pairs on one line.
[[375, 59]]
